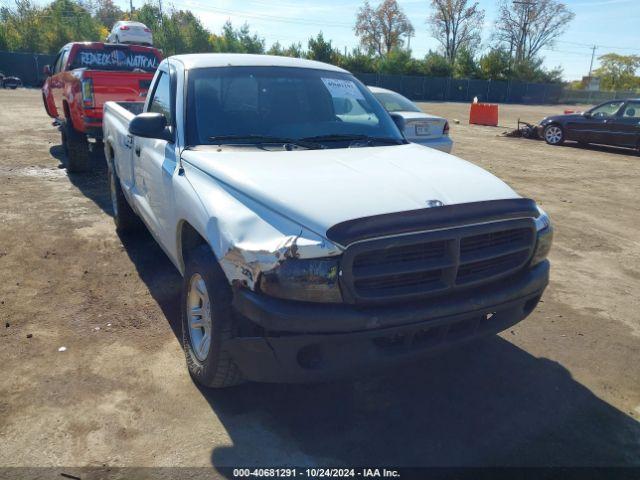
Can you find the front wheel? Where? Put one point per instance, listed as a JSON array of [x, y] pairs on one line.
[[207, 321], [553, 134]]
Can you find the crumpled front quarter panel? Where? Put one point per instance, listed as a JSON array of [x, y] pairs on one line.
[[246, 236]]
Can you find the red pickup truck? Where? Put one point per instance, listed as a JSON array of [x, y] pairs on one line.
[[84, 76]]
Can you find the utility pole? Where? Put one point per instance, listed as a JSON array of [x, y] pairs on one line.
[[131, 8], [593, 54]]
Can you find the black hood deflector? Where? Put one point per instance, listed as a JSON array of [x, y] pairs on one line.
[[350, 231]]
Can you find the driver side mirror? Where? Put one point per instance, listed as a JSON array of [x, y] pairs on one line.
[[398, 120], [46, 70], [587, 114], [150, 125]]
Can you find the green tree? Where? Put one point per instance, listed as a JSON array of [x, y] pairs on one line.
[[250, 43], [357, 61], [294, 50], [436, 65], [237, 40], [192, 35], [618, 72], [276, 49], [68, 21], [495, 65], [320, 49], [23, 27], [465, 65]]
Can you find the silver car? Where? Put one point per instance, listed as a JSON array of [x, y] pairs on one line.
[[126, 31], [428, 130]]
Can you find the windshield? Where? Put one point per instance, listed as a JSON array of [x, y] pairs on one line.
[[394, 102], [257, 105], [115, 59]]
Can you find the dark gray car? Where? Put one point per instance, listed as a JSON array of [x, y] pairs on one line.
[[616, 123]]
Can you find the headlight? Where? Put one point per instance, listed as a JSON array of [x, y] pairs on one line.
[[545, 238], [308, 280]]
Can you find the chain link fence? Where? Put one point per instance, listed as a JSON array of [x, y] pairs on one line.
[[465, 90], [28, 66]]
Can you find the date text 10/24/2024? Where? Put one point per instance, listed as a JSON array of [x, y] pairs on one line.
[[315, 472]]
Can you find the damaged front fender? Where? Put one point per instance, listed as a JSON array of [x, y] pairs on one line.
[[247, 237]]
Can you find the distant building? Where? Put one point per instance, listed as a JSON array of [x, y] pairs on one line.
[[591, 83]]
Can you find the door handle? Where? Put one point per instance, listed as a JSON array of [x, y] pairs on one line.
[[137, 150]]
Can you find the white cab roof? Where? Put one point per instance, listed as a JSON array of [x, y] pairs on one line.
[[205, 60]]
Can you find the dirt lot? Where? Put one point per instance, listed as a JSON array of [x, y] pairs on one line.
[[561, 388]]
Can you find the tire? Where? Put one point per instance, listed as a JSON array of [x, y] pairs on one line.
[[553, 134], [76, 148], [124, 217], [205, 287], [117, 39]]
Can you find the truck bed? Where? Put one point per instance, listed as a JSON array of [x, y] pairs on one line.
[[117, 116], [134, 108]]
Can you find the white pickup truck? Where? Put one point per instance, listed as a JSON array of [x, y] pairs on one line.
[[314, 241]]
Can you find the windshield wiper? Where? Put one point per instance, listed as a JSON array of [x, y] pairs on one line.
[[353, 138], [264, 139]]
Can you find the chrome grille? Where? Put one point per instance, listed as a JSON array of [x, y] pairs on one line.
[[434, 263]]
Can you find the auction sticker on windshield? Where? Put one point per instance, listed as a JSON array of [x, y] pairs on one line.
[[339, 88]]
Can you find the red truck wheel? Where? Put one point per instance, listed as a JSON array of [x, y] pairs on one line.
[[76, 148]]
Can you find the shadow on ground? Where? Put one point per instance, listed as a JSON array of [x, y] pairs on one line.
[[93, 184], [489, 403]]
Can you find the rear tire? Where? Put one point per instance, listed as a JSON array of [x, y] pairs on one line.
[[76, 148], [207, 321], [124, 217], [553, 134]]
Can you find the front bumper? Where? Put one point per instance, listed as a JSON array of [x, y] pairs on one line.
[[313, 342]]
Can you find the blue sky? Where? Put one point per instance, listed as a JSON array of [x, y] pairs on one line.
[[613, 25]]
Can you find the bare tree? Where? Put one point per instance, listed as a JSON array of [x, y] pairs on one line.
[[456, 24], [381, 29], [527, 26]]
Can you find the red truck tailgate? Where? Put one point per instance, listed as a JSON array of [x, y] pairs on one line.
[[117, 86]]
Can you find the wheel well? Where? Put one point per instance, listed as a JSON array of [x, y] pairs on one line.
[[67, 112], [108, 153], [46, 107], [189, 239]]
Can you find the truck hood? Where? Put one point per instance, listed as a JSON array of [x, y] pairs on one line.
[[320, 188]]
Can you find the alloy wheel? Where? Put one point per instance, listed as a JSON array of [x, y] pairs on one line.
[[553, 134], [199, 317]]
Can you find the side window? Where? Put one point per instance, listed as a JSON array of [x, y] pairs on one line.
[[161, 99], [64, 58], [606, 110], [58, 62], [631, 110]]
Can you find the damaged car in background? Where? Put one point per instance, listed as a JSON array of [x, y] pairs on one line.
[[314, 243]]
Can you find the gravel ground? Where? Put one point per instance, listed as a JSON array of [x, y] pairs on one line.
[[561, 388]]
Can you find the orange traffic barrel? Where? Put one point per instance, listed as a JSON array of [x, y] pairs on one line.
[[484, 114]]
